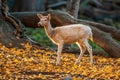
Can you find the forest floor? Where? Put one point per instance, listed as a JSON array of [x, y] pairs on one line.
[[35, 64]]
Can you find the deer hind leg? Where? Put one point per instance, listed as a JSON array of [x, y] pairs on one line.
[[82, 50], [60, 46], [89, 48]]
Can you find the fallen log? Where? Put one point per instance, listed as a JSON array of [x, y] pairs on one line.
[[30, 19], [101, 38]]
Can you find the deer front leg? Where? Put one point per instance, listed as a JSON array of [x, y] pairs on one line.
[[60, 46], [82, 50]]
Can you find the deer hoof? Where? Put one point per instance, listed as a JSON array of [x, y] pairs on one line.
[[77, 61], [57, 63], [91, 63]]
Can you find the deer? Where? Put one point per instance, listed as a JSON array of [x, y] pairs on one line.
[[68, 34]]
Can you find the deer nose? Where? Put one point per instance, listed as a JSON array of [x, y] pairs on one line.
[[39, 23]]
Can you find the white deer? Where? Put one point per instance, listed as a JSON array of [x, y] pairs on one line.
[[78, 33]]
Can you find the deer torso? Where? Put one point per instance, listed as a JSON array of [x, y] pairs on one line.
[[68, 33]]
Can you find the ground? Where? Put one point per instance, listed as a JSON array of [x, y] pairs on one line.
[[35, 64]]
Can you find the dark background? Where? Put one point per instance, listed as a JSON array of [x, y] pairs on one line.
[[102, 11]]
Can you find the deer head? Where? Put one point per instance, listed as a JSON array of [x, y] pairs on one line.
[[43, 19]]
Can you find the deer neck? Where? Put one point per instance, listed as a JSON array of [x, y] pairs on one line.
[[48, 29]]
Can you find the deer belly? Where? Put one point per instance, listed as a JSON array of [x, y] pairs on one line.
[[71, 39]]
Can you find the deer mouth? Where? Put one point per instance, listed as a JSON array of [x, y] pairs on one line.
[[39, 24]]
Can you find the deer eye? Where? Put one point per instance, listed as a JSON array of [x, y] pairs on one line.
[[45, 20]]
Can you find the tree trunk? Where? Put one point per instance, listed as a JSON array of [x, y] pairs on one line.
[[69, 4], [11, 29], [7, 36], [59, 18], [73, 7]]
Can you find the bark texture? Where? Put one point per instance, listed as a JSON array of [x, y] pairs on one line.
[[11, 29], [73, 7]]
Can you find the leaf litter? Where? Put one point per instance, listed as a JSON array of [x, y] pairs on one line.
[[36, 64]]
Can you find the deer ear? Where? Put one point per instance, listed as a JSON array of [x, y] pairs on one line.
[[49, 16], [39, 15]]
